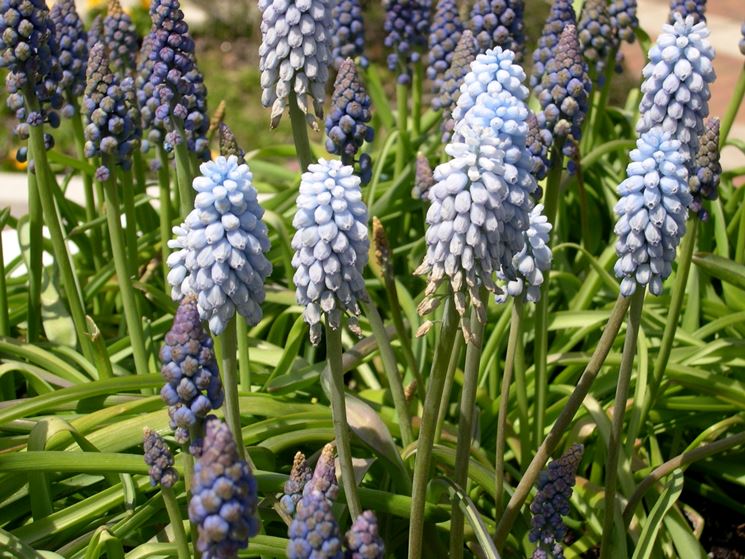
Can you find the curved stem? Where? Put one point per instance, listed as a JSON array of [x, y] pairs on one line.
[[734, 105], [448, 386], [244, 363], [509, 363], [615, 320], [177, 523], [229, 372], [184, 171], [300, 133], [339, 414], [467, 412], [615, 443], [427, 430]]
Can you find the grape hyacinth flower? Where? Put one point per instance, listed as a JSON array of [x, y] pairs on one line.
[[110, 129], [330, 244], [221, 247], [363, 538], [704, 182], [443, 39], [121, 38], [28, 50], [423, 179], [323, 479], [676, 83], [623, 20], [499, 23], [406, 25], [539, 141], [300, 475], [224, 496], [229, 144], [314, 532], [348, 39], [552, 502], [158, 456], [95, 32], [565, 91], [73, 50], [651, 213], [465, 53], [595, 35], [347, 126], [560, 16], [193, 387], [693, 8], [295, 54]]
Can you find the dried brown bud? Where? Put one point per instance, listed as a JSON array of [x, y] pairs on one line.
[[382, 248]]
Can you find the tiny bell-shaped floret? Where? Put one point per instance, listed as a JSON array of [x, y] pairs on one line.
[[121, 38], [221, 247], [224, 498], [499, 23], [73, 49], [704, 181], [363, 538], [694, 8], [300, 475], [330, 244], [651, 213], [158, 456], [295, 54], [465, 53], [193, 387], [676, 83], [561, 15], [552, 502], [349, 33], [595, 35], [443, 39], [406, 25]]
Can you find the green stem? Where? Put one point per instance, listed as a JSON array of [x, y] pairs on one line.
[[402, 123], [229, 372], [129, 301], [416, 99], [45, 196], [164, 186], [427, 429], [35, 224], [734, 105], [615, 443], [130, 232], [391, 370], [4, 317], [448, 386], [339, 414], [177, 523], [740, 243], [467, 414], [244, 367], [549, 444], [300, 134], [184, 173], [398, 324], [551, 204], [504, 397], [521, 389]]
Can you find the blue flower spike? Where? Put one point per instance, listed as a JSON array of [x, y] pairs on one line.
[[158, 456], [623, 19], [539, 141], [349, 33], [499, 23], [423, 178], [121, 38], [73, 50], [465, 53], [595, 35], [443, 39], [224, 498], [704, 181], [693, 8], [561, 15], [406, 25]]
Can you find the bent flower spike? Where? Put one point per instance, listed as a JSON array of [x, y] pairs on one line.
[[158, 456], [331, 245], [651, 213], [295, 54], [224, 496], [221, 247]]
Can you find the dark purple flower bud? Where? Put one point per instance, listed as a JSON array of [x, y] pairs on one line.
[[95, 32], [349, 33], [499, 23], [443, 40], [363, 538], [158, 456], [704, 181], [595, 35], [695, 8], [121, 38], [406, 25], [561, 15], [73, 50]]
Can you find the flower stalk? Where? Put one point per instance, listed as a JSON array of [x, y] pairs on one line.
[[300, 133], [177, 523]]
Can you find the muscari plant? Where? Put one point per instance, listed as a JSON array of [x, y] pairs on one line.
[[506, 323]]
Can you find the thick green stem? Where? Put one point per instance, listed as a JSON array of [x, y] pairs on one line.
[[35, 224], [184, 172], [164, 186], [339, 413], [402, 123], [398, 324], [130, 232], [4, 316], [229, 370], [416, 99], [740, 242], [467, 414], [177, 523], [551, 204], [615, 443], [549, 444], [427, 429], [300, 133], [734, 105], [45, 197], [504, 399], [244, 367], [448, 386], [391, 370]]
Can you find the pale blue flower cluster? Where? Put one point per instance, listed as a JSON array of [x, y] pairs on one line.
[[652, 212], [220, 249], [295, 54], [676, 83], [331, 245]]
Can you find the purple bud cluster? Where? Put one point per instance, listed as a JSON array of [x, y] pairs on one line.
[[499, 23], [406, 25], [623, 20], [188, 365], [348, 40], [95, 32], [443, 40], [224, 498], [465, 53], [323, 479], [423, 178], [121, 39], [704, 182], [28, 50], [347, 125], [110, 127], [539, 141], [363, 538], [595, 35], [561, 15], [300, 475], [694, 8], [158, 456], [552, 502], [73, 50]]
